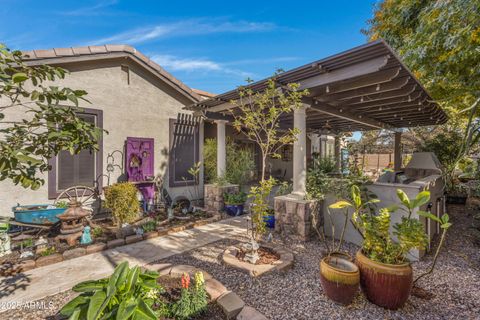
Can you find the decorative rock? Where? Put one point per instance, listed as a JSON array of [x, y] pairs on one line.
[[150, 235], [26, 265], [162, 231], [231, 304], [115, 243], [249, 313], [74, 253], [51, 259], [176, 229], [96, 247], [214, 288], [133, 238]]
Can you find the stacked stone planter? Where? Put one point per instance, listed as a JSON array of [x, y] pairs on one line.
[[214, 195], [294, 217]]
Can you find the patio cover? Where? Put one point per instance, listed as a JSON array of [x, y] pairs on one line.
[[364, 88]]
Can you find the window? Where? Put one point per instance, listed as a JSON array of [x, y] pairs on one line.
[[82, 168], [183, 150]]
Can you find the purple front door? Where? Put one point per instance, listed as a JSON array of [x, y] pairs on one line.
[[139, 165]]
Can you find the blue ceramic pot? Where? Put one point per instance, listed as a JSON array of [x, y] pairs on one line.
[[234, 209], [270, 221]]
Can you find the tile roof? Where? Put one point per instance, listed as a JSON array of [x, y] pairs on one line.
[[64, 55]]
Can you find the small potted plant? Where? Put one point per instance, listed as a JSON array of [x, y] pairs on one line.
[[386, 275], [269, 218], [234, 203]]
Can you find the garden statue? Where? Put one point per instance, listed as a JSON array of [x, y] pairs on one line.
[[41, 245], [4, 243], [251, 251], [86, 237]]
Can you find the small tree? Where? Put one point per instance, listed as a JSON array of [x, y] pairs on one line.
[[259, 117], [48, 124], [259, 120]]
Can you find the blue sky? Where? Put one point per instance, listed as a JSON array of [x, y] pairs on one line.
[[209, 45]]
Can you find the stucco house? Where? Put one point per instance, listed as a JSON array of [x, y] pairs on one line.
[[131, 97]]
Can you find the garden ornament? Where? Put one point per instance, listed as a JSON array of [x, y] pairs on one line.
[[4, 243], [86, 237], [251, 251], [41, 244], [26, 254]]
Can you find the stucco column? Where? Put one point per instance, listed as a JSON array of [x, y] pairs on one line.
[[300, 152], [397, 153], [338, 160], [221, 148]]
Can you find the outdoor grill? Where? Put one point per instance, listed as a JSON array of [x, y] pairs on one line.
[[423, 172]]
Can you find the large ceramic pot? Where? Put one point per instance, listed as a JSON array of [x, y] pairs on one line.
[[340, 278], [386, 285], [269, 221]]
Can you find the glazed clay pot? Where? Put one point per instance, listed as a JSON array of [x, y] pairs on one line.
[[386, 285], [340, 278]]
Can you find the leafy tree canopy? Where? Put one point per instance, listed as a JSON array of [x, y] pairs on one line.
[[439, 40], [37, 119]]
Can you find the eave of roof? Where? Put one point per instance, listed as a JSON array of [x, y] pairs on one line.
[[67, 55]]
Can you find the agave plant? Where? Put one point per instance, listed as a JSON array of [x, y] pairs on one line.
[[128, 293]]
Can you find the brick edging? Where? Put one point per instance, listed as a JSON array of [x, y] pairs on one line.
[[7, 269]]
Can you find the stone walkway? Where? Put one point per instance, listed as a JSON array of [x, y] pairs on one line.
[[52, 279]]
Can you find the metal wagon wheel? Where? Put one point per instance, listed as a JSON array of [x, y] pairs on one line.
[[84, 195]]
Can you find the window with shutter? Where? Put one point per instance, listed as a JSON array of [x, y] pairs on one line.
[[183, 150], [82, 168]]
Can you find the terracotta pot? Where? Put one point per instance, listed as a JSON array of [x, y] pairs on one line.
[[386, 285], [340, 278]]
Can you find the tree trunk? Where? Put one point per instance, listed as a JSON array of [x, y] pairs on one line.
[[264, 163]]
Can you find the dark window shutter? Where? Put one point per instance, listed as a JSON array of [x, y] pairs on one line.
[[79, 169], [183, 149]]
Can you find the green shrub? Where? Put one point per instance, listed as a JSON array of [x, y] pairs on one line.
[[97, 232], [260, 209], [235, 198], [149, 226], [128, 293], [48, 251], [121, 198], [240, 163]]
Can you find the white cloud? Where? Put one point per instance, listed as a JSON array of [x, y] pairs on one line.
[[173, 63], [92, 10], [177, 64], [190, 27]]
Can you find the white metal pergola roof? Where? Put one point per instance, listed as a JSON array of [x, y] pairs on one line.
[[364, 88]]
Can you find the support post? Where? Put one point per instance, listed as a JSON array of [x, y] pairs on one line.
[[300, 152], [397, 155], [338, 163], [221, 148]]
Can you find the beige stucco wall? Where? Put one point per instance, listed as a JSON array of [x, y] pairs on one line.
[[141, 108]]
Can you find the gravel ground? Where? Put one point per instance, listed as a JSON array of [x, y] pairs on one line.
[[298, 295]]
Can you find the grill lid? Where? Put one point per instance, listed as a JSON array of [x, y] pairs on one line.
[[424, 160]]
